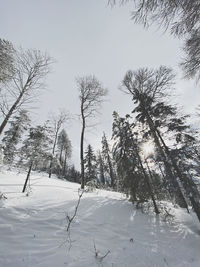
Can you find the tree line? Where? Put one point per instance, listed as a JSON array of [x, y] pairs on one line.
[[155, 153]]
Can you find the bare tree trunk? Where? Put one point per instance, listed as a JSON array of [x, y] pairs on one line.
[[91, 97], [60, 157], [82, 150], [102, 173], [169, 174], [27, 178], [111, 171], [148, 184], [65, 163], [188, 184]]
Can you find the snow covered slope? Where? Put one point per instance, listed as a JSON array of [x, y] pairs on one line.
[[33, 229]]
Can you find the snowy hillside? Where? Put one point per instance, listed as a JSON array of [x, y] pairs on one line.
[[33, 229]]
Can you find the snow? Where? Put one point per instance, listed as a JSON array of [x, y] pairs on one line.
[[33, 228]]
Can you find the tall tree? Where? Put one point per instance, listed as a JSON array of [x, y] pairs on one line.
[[56, 122], [30, 69], [147, 88], [101, 168], [133, 176], [107, 156], [65, 149], [91, 95]]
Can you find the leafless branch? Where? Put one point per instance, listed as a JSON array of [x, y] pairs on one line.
[[70, 219], [97, 256], [30, 70]]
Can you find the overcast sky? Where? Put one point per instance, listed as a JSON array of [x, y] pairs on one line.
[[88, 37]]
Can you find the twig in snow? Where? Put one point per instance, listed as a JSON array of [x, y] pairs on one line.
[[100, 258], [70, 219]]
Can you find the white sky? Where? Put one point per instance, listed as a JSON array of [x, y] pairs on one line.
[[88, 37]]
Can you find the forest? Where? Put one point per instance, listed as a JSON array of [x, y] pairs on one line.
[[153, 154]]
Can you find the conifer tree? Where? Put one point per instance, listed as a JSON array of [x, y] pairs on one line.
[[35, 149], [107, 157], [64, 148], [148, 89], [18, 125], [73, 175], [101, 168], [90, 164], [134, 178]]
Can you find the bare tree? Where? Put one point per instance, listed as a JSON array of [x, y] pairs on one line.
[[56, 124], [91, 97], [181, 17], [30, 69]]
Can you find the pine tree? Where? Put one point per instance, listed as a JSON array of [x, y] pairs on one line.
[[64, 148], [90, 164], [101, 168], [148, 89], [73, 175], [134, 179], [124, 157], [35, 149], [107, 157], [13, 135]]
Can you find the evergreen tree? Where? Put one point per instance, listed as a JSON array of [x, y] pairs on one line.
[[134, 179], [107, 157], [64, 148], [35, 149], [73, 175], [13, 135], [90, 164], [101, 168], [148, 89]]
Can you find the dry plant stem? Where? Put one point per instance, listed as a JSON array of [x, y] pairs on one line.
[[70, 219], [100, 258]]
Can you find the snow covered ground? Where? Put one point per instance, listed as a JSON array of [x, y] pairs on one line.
[[33, 228]]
